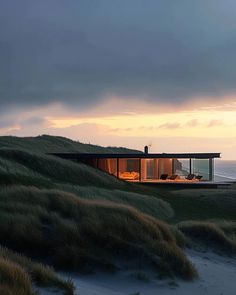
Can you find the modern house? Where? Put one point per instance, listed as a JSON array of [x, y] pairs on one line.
[[149, 168]]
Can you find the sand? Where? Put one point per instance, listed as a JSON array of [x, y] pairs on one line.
[[217, 276]]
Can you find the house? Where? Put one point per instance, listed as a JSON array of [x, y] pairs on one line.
[[151, 167]]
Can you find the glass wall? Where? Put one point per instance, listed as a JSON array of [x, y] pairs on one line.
[[165, 168], [154, 169], [136, 169], [108, 165], [129, 169], [149, 169], [181, 167], [201, 168]]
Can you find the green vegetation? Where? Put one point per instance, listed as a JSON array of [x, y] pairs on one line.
[[56, 144], [79, 229], [202, 204], [74, 217], [18, 274], [209, 234]]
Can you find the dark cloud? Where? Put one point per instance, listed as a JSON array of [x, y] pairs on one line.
[[34, 121], [5, 123], [80, 51]]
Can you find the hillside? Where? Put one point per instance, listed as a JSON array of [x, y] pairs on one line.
[[53, 144], [73, 217]]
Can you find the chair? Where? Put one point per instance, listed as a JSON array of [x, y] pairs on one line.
[[190, 177], [173, 176], [164, 176]]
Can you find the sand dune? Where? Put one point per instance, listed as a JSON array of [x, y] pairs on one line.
[[217, 276]]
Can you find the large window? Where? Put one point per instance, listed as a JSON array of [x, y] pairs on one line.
[[136, 169], [181, 167], [129, 169], [165, 167], [154, 169], [149, 169], [108, 165], [201, 168]]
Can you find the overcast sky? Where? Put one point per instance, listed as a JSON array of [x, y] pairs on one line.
[[83, 54]]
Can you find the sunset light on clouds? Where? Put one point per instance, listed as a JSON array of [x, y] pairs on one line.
[[137, 73]]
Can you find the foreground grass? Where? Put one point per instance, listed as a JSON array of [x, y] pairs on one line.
[[82, 234], [19, 274], [210, 234]]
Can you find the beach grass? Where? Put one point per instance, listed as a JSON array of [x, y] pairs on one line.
[[76, 218], [65, 227], [19, 274], [199, 204], [210, 234]]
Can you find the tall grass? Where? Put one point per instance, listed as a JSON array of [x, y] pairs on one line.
[[53, 144], [78, 218], [82, 234], [209, 234], [18, 274], [19, 167], [145, 203], [14, 279], [56, 169], [201, 204]]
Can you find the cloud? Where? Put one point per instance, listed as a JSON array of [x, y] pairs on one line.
[[81, 52], [192, 123], [215, 123], [170, 125], [7, 122], [37, 121]]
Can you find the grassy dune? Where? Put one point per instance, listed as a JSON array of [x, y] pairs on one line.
[[42, 171], [202, 204], [18, 274], [210, 235], [56, 144], [23, 167], [79, 229], [74, 217]]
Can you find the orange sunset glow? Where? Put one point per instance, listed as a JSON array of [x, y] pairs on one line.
[[109, 75]]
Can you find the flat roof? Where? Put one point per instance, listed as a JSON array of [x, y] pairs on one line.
[[75, 155]]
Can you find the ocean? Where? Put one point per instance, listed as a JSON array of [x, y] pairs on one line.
[[225, 170]]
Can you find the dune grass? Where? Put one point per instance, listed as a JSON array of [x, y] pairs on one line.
[[145, 203], [200, 204], [71, 231], [21, 167], [209, 234], [13, 279], [75, 217], [39, 168], [19, 275], [56, 144]]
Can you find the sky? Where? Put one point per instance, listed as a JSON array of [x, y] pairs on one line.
[[121, 73]]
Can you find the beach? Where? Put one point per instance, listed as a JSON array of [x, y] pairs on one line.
[[217, 276]]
